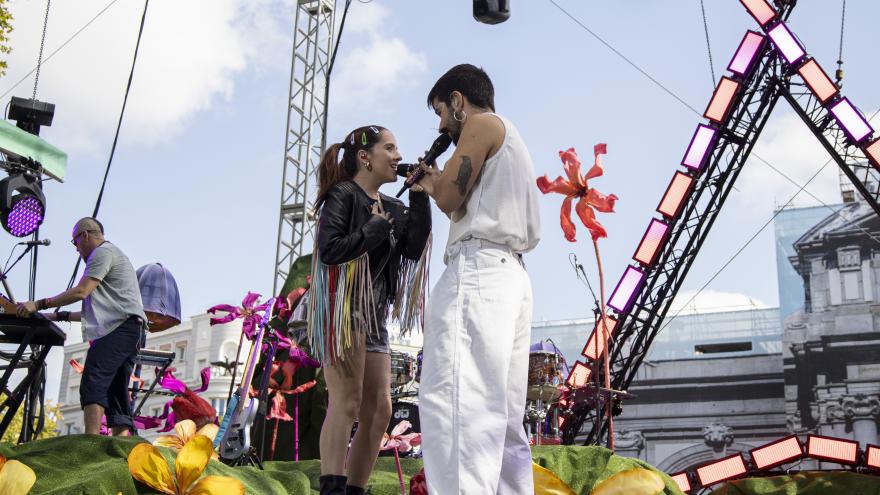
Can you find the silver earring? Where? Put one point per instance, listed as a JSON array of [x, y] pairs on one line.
[[457, 118]]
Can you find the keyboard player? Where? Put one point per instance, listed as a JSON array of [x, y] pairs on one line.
[[113, 321]]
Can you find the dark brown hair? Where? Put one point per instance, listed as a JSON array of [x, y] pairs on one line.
[[470, 81], [332, 171]]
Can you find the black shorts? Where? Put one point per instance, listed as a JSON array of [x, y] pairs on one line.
[[108, 369]]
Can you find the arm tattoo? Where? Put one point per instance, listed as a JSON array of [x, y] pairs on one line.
[[464, 175]]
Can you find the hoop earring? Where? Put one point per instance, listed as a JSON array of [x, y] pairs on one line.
[[369, 166], [456, 118]]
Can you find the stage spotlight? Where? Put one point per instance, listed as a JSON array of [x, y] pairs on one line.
[[725, 469], [673, 198], [491, 11], [749, 47], [22, 204], [819, 82], [777, 453], [832, 449], [579, 375], [595, 349], [627, 289], [872, 457], [760, 10], [698, 149], [720, 104], [654, 237], [786, 43], [681, 479], [873, 152], [851, 121]]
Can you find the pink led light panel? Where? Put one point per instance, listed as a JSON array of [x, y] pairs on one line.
[[650, 245], [681, 479], [721, 99], [832, 449], [699, 147], [785, 43], [851, 120], [777, 453], [760, 10], [579, 375], [745, 54], [594, 349], [673, 199], [626, 289], [873, 152], [721, 470], [873, 457], [819, 82]]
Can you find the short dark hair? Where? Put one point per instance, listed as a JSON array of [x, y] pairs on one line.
[[469, 80]]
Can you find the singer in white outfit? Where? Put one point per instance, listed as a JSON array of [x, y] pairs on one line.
[[477, 332]]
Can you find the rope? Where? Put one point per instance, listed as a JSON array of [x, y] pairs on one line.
[[42, 43], [708, 46], [116, 136]]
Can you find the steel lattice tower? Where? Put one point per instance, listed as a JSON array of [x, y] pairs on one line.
[[312, 49]]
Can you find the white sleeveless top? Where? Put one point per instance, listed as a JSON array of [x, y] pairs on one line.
[[503, 205]]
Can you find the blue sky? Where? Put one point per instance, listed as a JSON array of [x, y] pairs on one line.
[[195, 183]]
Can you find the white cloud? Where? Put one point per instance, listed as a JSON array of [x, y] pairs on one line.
[[188, 59], [788, 145], [710, 301], [370, 65]]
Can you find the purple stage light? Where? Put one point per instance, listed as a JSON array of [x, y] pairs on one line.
[[627, 289], [786, 43], [760, 10], [698, 150], [25, 216], [851, 121], [749, 47]]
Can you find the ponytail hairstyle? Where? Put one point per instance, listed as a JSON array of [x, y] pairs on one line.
[[332, 171]]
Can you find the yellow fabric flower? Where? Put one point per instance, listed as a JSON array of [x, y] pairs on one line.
[[185, 431], [547, 483], [636, 481], [147, 465], [15, 477]]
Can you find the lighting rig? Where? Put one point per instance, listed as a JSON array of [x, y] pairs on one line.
[[767, 64]]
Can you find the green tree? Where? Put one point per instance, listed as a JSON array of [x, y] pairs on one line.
[[5, 29], [50, 427]]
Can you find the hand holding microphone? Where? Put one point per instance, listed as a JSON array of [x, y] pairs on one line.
[[440, 145]]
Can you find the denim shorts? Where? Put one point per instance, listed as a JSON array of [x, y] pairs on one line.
[[377, 335], [107, 371]]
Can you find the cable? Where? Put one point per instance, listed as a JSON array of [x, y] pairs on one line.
[[329, 71], [59, 48], [118, 128], [622, 56], [42, 43], [708, 46], [838, 76]]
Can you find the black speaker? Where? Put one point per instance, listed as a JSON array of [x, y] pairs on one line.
[[491, 11]]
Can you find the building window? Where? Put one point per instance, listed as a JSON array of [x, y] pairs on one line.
[[154, 411], [851, 285], [180, 351], [165, 347], [219, 405], [848, 259]]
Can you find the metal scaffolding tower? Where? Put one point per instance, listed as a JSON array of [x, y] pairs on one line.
[[312, 49]]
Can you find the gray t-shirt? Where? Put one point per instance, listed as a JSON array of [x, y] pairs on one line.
[[117, 296]]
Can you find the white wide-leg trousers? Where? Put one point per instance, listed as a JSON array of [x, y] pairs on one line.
[[472, 393]]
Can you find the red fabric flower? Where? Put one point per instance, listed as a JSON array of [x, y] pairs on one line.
[[577, 187], [418, 485]]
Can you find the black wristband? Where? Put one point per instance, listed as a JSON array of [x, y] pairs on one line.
[[62, 316], [42, 304]]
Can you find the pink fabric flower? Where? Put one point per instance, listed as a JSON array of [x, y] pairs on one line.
[[577, 187], [249, 311], [400, 441]]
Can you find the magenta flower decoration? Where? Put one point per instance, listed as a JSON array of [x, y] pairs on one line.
[[250, 311]]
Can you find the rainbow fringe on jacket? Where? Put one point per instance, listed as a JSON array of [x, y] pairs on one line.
[[339, 291]]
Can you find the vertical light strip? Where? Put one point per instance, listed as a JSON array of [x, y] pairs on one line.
[[786, 43], [627, 289], [873, 152], [701, 145], [850, 120], [720, 104], [673, 198], [760, 10], [579, 375], [749, 47], [654, 237], [819, 82], [595, 349]]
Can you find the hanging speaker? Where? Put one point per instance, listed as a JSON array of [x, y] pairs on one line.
[[491, 11]]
